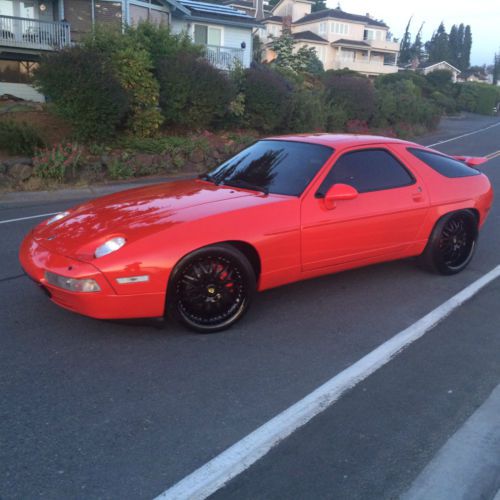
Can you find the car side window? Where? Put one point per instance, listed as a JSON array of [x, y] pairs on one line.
[[368, 170]]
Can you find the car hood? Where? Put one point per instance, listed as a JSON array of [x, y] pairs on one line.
[[133, 214]]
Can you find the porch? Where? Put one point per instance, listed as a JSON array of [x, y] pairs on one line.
[[27, 33], [221, 57]]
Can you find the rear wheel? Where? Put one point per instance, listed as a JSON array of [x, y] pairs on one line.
[[211, 288], [452, 244]]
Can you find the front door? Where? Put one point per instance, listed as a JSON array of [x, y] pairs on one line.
[[382, 221]]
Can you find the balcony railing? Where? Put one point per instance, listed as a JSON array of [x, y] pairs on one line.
[[223, 57], [21, 32]]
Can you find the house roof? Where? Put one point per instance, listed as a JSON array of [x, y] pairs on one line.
[[430, 65], [308, 36], [246, 4], [340, 14], [345, 41], [217, 13], [275, 19]]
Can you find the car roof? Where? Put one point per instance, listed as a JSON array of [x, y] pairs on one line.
[[341, 140]]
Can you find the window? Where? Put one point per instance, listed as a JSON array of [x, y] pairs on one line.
[[368, 170], [147, 10], [280, 167], [322, 27], [347, 55], [339, 28], [370, 34], [205, 35], [443, 164]]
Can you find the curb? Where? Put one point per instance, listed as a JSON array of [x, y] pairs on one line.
[[85, 192]]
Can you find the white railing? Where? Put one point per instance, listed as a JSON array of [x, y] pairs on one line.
[[223, 57], [22, 32], [372, 67]]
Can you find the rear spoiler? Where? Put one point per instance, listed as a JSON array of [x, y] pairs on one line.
[[471, 161]]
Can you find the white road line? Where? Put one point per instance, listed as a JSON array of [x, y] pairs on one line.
[[240, 456], [27, 218], [463, 135]]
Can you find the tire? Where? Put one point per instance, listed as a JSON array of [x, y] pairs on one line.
[[451, 245], [211, 288]]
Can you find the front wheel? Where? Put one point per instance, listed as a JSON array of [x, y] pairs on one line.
[[211, 288], [452, 244]]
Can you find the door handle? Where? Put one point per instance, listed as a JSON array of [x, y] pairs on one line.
[[418, 194]]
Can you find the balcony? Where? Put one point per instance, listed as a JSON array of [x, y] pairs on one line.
[[383, 45], [224, 58], [370, 68], [25, 33]]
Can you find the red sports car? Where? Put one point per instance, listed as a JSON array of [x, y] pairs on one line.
[[282, 210]]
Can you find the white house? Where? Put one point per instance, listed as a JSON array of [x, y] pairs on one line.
[[443, 65], [29, 28]]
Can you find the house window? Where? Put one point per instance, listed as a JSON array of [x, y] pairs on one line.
[[339, 28], [148, 10], [207, 35], [373, 35], [322, 27], [347, 55]]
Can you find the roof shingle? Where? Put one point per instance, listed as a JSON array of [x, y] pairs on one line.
[[340, 14]]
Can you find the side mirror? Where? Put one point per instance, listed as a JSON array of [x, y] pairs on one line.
[[339, 192]]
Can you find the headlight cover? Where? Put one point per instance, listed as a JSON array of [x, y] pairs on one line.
[[57, 217], [72, 284], [110, 246]]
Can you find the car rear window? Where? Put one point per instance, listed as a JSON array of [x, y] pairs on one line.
[[443, 164]]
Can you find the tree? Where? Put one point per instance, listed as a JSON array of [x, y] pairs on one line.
[[417, 48], [455, 46], [318, 5], [405, 48], [496, 68], [464, 62], [303, 60], [438, 46]]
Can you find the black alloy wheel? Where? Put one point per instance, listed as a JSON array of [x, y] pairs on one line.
[[211, 288], [452, 243]]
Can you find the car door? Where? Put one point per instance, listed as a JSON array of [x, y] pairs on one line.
[[382, 221]]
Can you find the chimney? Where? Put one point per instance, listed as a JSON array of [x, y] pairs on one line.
[[259, 9], [368, 15]]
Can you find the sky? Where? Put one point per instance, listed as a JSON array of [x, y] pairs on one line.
[[482, 15]]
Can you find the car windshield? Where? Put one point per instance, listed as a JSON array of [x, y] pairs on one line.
[[273, 166]]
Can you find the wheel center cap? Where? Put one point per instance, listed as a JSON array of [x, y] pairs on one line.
[[211, 290]]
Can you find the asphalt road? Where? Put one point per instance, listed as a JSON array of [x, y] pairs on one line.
[[94, 409]]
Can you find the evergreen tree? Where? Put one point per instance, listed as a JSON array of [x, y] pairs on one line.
[[405, 47], [438, 47], [318, 5], [455, 46], [466, 48], [417, 48], [496, 69]]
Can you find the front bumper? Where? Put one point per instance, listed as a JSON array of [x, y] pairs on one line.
[[104, 304]]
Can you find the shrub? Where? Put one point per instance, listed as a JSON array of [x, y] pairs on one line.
[[267, 96], [356, 95], [402, 102], [133, 67], [445, 102], [159, 42], [307, 111], [19, 138], [193, 94], [478, 98], [119, 169], [58, 162], [84, 90]]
